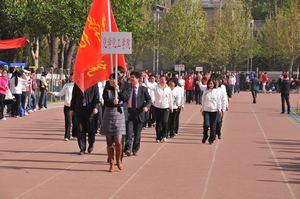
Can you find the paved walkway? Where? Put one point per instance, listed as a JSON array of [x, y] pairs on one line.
[[257, 158]]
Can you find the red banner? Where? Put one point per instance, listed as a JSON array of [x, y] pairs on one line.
[[14, 43], [91, 66]]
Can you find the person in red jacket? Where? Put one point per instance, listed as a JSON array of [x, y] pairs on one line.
[[189, 88]]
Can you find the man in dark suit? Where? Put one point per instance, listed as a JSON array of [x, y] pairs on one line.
[[139, 103], [84, 108]]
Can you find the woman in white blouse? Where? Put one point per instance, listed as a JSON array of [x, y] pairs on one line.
[[211, 107], [16, 84], [163, 103], [67, 92], [173, 118]]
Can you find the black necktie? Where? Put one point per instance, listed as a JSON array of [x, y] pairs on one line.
[[133, 99]]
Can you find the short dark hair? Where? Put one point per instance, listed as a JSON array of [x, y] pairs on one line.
[[135, 74]]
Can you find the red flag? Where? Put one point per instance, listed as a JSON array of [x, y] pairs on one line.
[[91, 66], [14, 43]]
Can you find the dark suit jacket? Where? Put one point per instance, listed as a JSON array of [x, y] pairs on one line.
[[143, 100], [92, 99]]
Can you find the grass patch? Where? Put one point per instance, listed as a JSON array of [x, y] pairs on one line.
[[297, 111]]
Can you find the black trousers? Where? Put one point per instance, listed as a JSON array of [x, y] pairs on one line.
[[189, 96], [161, 128], [285, 98], [23, 100], [254, 95], [172, 122], [151, 119], [198, 96], [210, 120], [2, 97], [68, 123], [219, 125], [177, 119], [133, 135], [147, 116], [85, 127], [16, 105]]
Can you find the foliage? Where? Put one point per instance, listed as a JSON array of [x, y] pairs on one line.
[[232, 41], [183, 33]]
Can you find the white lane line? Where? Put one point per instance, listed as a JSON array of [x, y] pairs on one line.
[[210, 172], [205, 189], [274, 156], [143, 165], [55, 175]]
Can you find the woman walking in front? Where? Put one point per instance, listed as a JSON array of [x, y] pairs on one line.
[[211, 107], [113, 125]]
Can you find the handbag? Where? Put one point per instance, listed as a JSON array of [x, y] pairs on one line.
[[9, 95]]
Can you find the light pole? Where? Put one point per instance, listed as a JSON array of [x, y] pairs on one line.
[[157, 10], [252, 36]]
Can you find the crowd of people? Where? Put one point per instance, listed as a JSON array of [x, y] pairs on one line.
[[120, 109], [19, 91]]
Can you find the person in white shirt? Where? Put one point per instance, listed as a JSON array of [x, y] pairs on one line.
[[181, 91], [224, 106], [163, 103], [151, 119], [16, 84], [67, 92], [173, 118], [211, 107]]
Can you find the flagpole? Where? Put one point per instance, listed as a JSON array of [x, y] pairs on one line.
[[109, 30], [111, 56]]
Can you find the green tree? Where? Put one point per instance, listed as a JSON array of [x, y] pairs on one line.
[[183, 33], [232, 41]]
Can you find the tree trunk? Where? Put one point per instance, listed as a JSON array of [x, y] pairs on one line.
[[69, 58], [291, 67], [35, 47], [61, 55], [53, 46]]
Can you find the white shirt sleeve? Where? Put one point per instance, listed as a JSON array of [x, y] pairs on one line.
[[62, 92]]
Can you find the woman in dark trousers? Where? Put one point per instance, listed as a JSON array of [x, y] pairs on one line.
[[67, 92], [285, 93], [113, 125], [211, 106]]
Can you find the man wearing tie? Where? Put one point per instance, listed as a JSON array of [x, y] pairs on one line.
[[138, 104]]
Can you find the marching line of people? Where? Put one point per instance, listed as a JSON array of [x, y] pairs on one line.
[[120, 109]]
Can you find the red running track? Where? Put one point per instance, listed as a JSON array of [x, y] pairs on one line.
[[257, 158]]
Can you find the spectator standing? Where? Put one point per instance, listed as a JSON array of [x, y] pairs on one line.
[[254, 87], [43, 92], [3, 92], [285, 93], [67, 92]]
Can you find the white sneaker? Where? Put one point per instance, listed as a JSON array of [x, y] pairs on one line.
[[30, 111], [26, 114], [157, 141], [66, 139], [4, 119], [34, 110], [164, 140]]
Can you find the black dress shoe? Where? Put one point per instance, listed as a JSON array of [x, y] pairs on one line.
[[282, 112], [90, 149], [81, 152], [219, 137], [211, 142], [204, 139], [135, 153], [128, 153]]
